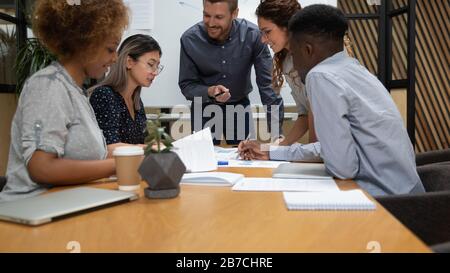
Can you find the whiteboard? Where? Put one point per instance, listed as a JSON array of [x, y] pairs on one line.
[[171, 19]]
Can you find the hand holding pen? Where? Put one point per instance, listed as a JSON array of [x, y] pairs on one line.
[[243, 149], [253, 150], [220, 93]]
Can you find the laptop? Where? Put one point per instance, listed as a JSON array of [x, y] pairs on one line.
[[45, 208]]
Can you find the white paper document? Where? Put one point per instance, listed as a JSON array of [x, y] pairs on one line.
[[342, 200], [273, 184], [211, 179], [226, 153], [229, 157], [234, 163], [197, 151], [302, 171], [142, 14]]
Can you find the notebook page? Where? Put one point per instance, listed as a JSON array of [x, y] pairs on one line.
[[342, 200], [273, 184], [197, 151]]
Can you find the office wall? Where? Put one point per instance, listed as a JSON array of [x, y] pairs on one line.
[[400, 99], [432, 75], [164, 91], [8, 103]]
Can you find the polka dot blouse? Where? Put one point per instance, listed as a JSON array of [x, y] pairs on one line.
[[114, 118]]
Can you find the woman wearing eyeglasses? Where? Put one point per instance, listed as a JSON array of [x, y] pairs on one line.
[[117, 99]]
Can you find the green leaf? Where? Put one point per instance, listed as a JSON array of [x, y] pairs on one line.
[[157, 136], [31, 58]]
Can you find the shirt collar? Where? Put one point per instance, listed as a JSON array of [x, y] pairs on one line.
[[69, 78], [335, 58]]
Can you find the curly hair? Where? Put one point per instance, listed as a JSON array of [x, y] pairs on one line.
[[67, 30], [279, 12]]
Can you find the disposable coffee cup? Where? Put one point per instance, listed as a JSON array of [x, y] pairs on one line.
[[128, 159]]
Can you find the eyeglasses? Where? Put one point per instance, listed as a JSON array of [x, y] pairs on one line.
[[158, 68], [265, 33]]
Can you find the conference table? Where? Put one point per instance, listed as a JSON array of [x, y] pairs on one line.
[[208, 219]]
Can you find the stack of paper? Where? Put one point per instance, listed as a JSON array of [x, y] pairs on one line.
[[212, 178], [226, 153], [301, 170], [341, 200], [251, 164], [229, 157], [271, 184]]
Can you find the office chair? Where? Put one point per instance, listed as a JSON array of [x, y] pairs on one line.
[[432, 157], [441, 248], [2, 182], [428, 214]]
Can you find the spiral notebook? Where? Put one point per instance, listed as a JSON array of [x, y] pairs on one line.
[[342, 200]]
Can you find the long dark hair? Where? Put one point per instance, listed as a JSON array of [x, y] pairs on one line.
[[134, 47], [279, 12]]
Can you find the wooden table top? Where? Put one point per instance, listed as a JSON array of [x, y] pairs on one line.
[[215, 219]]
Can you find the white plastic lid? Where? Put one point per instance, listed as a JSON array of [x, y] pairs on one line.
[[128, 151], [129, 188]]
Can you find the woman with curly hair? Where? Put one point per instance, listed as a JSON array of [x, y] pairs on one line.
[[55, 137], [273, 20]]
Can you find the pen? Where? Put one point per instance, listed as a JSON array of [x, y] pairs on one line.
[[222, 163], [246, 141], [220, 94]]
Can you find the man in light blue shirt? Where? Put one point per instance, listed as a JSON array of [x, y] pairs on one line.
[[361, 132]]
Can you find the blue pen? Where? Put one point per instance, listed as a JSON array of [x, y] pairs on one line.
[[222, 163]]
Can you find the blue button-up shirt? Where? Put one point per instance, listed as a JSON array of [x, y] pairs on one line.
[[361, 132], [205, 62]]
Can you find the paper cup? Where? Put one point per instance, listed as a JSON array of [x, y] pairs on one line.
[[128, 159]]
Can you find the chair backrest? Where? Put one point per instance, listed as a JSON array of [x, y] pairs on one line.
[[427, 215], [441, 248], [2, 182], [435, 177], [433, 157]]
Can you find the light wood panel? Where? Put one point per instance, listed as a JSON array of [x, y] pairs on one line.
[[432, 74], [8, 104], [432, 62]]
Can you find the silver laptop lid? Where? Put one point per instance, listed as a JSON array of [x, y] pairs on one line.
[[42, 209]]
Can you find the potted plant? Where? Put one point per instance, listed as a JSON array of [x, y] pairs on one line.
[[7, 55], [32, 56], [161, 168]]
